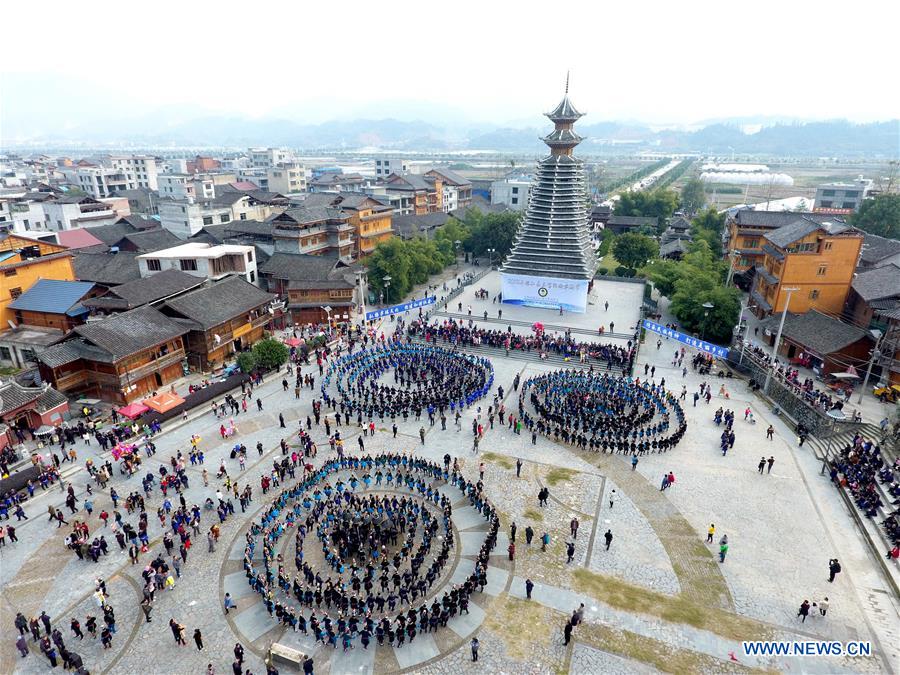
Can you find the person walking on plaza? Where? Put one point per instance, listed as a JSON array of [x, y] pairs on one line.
[[823, 606], [511, 550], [573, 527], [198, 639], [770, 433], [710, 532], [834, 568], [513, 528], [770, 462], [761, 466], [612, 498], [177, 632], [475, 644], [518, 468], [22, 645], [634, 462], [529, 534], [567, 633], [723, 549], [570, 551], [545, 541], [529, 586], [804, 611], [608, 537]]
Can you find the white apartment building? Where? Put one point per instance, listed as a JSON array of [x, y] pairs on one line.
[[287, 179], [512, 191], [27, 215], [186, 186], [103, 181], [450, 198], [259, 176], [202, 260], [142, 169], [267, 157], [174, 166], [69, 212], [385, 167], [184, 218]]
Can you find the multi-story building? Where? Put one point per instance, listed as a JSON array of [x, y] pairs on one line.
[[426, 192], [385, 167], [185, 218], [371, 219], [202, 260], [121, 358], [22, 262], [816, 259], [337, 182], [746, 230], [258, 176], [310, 283], [317, 230], [286, 179], [68, 212], [103, 181], [513, 192], [461, 186], [268, 157], [202, 165], [841, 198], [141, 169], [186, 186], [53, 303]]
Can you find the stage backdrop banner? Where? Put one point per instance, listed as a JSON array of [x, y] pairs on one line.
[[551, 292]]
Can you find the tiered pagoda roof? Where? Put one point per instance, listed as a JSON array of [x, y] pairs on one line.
[[554, 237]]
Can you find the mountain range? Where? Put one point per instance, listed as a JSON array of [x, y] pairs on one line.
[[822, 138]]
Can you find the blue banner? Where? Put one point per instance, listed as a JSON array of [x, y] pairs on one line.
[[708, 347], [399, 309]]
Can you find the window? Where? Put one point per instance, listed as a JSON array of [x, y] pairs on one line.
[[827, 204], [15, 292], [5, 354], [515, 200], [828, 245], [207, 220], [515, 190], [249, 256], [252, 277], [851, 194], [243, 216], [10, 273], [848, 205], [828, 193], [751, 242], [223, 218], [188, 265], [814, 294], [154, 265], [822, 270]]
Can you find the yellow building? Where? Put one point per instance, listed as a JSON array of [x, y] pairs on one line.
[[371, 219], [747, 230], [817, 259], [22, 262]]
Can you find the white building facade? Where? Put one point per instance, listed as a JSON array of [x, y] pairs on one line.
[[513, 192], [203, 260]]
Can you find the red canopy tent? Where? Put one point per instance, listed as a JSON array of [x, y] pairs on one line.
[[292, 342], [133, 410]]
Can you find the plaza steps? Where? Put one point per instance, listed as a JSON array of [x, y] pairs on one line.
[[871, 529], [520, 355], [548, 327]]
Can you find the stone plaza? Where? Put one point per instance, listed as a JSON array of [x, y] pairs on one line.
[[656, 599]]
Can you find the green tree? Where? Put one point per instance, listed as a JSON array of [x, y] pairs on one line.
[[390, 258], [246, 361], [634, 250], [879, 215], [496, 231], [663, 274], [710, 219], [693, 196], [270, 353], [661, 203], [692, 291]]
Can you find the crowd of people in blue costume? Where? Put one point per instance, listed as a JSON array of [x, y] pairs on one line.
[[425, 377], [357, 599], [601, 412]]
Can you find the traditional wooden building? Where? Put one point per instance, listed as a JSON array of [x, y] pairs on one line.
[[122, 358], [51, 303], [22, 262], [27, 409], [221, 319], [316, 230], [311, 283]]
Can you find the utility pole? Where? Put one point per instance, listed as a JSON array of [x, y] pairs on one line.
[[787, 304], [875, 355]]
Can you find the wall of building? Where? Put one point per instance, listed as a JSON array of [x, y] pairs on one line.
[[15, 281]]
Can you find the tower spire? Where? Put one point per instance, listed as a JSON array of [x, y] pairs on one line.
[[567, 83]]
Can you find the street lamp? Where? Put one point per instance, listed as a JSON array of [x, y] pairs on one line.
[[327, 309], [456, 245], [491, 252], [706, 307], [733, 256], [771, 367], [386, 280]]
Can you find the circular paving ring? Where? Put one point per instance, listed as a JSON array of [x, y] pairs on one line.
[[601, 412]]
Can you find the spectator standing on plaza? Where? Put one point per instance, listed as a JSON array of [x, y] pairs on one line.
[[834, 568], [198, 639], [475, 644], [529, 586]]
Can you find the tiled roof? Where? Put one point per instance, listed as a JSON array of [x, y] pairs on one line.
[[127, 333], [452, 177], [816, 332], [220, 302], [142, 291], [109, 269], [878, 283], [148, 241], [110, 234], [53, 297], [633, 220], [14, 396], [80, 237], [411, 225], [876, 249], [677, 246], [774, 219]]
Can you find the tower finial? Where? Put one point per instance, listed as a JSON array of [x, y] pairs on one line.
[[567, 82]]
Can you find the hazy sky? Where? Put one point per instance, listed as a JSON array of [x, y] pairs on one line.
[[72, 64]]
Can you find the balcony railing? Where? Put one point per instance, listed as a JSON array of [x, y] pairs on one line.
[[156, 365]]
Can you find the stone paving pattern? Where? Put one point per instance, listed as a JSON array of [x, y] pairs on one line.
[[783, 529]]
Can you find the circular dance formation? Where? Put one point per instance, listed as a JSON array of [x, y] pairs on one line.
[[602, 413], [373, 536], [425, 377]]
